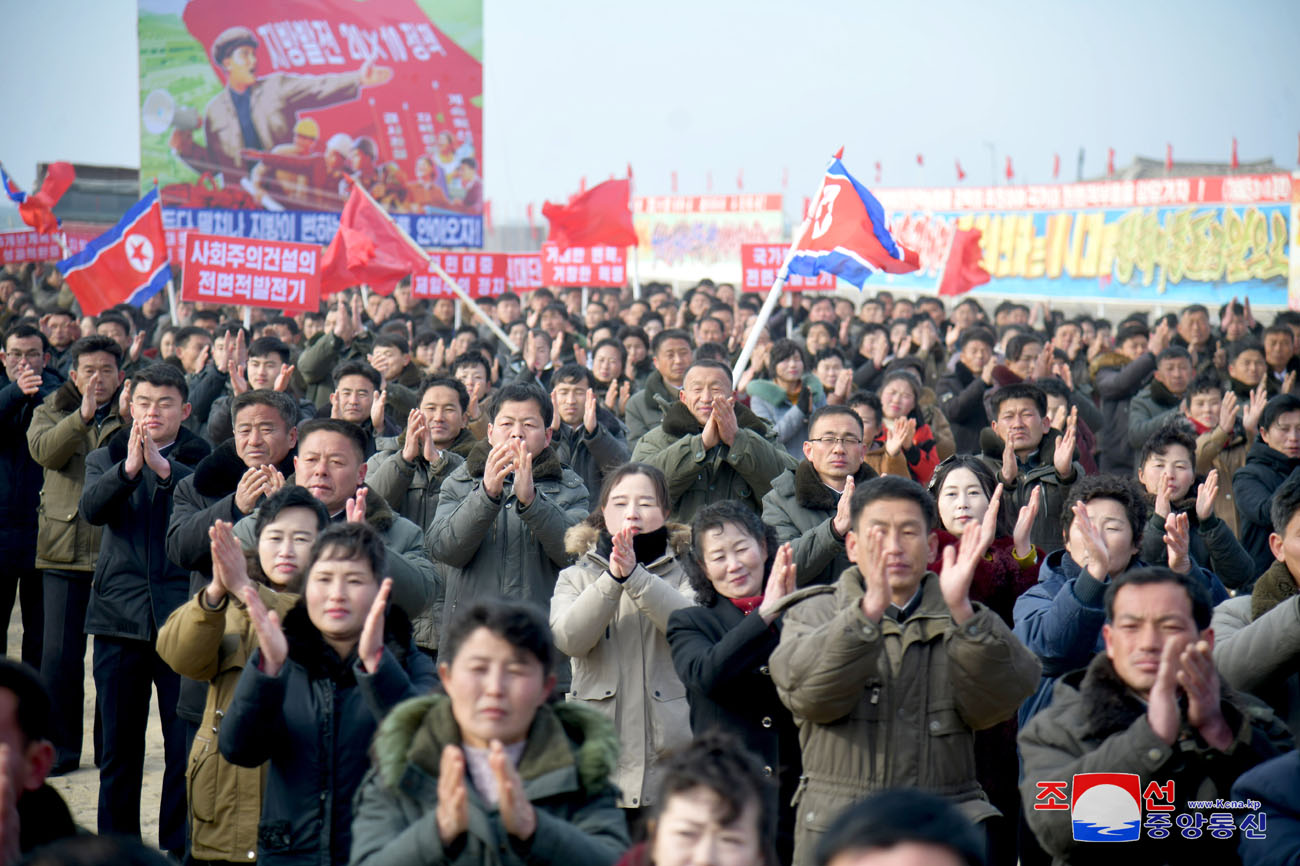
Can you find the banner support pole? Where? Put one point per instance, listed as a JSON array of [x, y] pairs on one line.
[[636, 273], [171, 303], [248, 319]]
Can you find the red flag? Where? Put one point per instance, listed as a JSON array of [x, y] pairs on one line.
[[963, 270], [38, 210], [740, 179], [1010, 171], [674, 178], [368, 248], [920, 160], [582, 184], [708, 181], [785, 177], [530, 216], [629, 171], [877, 172], [1169, 157], [599, 216], [961, 175], [1235, 164], [1056, 166], [1110, 162], [487, 214]]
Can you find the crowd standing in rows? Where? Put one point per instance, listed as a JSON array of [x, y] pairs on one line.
[[404, 595]]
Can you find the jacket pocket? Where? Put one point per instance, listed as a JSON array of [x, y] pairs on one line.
[[56, 535], [670, 716], [594, 682], [202, 780]]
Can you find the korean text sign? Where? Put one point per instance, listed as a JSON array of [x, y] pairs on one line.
[[604, 267], [251, 273], [760, 264], [28, 246], [481, 275], [253, 114]]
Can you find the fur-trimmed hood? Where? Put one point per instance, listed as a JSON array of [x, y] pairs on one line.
[[583, 538], [1107, 361], [67, 398], [773, 394], [562, 736], [1274, 586], [308, 648], [546, 466], [679, 422], [812, 493], [218, 474]]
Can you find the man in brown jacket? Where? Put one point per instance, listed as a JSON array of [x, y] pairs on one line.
[[891, 671]]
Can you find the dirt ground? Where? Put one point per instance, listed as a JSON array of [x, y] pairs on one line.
[[81, 788]]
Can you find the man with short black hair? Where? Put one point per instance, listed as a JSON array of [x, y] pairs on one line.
[[501, 518], [129, 486], [961, 392], [1159, 399], [587, 437], [1118, 376], [1151, 704], [360, 398], [710, 447], [75, 419], [902, 827], [26, 382], [891, 670], [267, 368], [672, 354]]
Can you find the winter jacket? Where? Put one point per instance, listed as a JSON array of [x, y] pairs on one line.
[[1060, 620], [135, 587], [43, 818], [801, 508], [413, 574], [565, 768], [220, 426], [769, 401], [317, 362], [20, 475], [875, 456], [593, 455], [212, 646], [313, 722], [490, 549], [1096, 724], [1253, 486], [888, 704], [1272, 785], [1116, 380], [1148, 411], [923, 455], [961, 397], [411, 489], [59, 440], [1257, 643], [697, 475], [1216, 449], [1211, 544], [201, 499], [1037, 471], [622, 667], [645, 408]]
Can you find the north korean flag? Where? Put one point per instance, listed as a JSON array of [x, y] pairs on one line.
[[128, 263], [845, 233]]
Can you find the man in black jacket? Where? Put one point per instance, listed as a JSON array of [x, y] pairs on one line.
[[227, 485], [1117, 377], [587, 437], [961, 392], [25, 385], [1273, 457], [129, 487]]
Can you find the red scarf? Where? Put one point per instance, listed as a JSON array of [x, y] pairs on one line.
[[747, 605], [1198, 426]]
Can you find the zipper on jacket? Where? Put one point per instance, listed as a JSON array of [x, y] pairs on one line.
[[875, 694]]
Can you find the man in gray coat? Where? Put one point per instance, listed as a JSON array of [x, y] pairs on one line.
[[1159, 400], [499, 529], [808, 506]]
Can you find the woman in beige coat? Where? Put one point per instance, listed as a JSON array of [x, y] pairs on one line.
[[210, 639], [610, 614]]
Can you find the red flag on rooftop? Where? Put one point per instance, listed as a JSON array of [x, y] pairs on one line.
[[37, 209], [1110, 162], [582, 184], [877, 171], [961, 175], [1056, 166], [368, 248], [601, 215], [674, 182], [963, 270], [920, 160], [1235, 164], [1169, 157], [740, 179], [1011, 173]]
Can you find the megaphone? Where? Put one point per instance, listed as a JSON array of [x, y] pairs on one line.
[[160, 113]]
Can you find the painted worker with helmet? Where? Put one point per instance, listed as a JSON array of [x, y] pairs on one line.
[[257, 113]]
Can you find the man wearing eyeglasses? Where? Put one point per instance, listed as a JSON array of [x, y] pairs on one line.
[[808, 506]]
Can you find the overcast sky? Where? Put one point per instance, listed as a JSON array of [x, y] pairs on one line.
[[583, 87]]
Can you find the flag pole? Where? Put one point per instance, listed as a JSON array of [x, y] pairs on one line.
[[248, 319], [437, 269], [774, 294], [171, 303]]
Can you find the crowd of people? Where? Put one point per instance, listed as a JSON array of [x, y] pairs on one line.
[[405, 594]]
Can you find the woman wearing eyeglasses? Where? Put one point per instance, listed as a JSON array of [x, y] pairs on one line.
[[789, 398], [962, 487]]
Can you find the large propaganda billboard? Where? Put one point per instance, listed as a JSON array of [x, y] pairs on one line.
[[254, 115], [694, 236], [1159, 241]]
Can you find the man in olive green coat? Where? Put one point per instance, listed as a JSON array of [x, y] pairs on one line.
[[711, 448], [890, 671]]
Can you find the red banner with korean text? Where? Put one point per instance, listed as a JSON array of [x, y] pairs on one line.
[[598, 267], [275, 274], [28, 246], [760, 263], [525, 272], [481, 275]]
